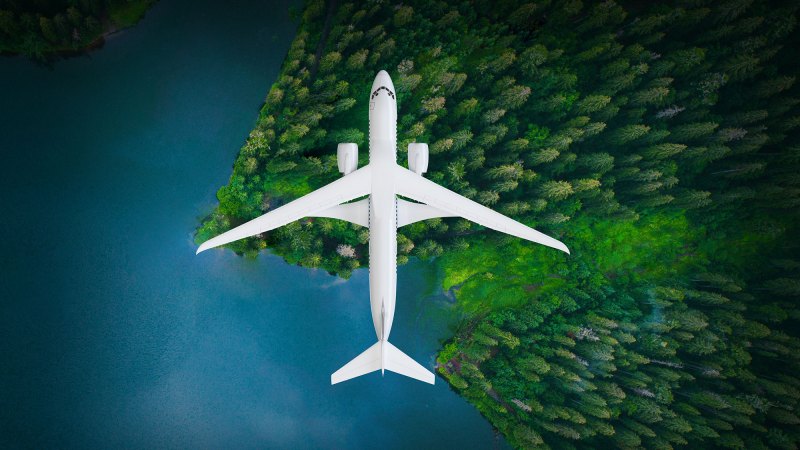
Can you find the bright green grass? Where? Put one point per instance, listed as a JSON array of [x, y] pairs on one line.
[[500, 272]]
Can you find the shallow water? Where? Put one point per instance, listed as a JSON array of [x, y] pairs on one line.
[[112, 332]]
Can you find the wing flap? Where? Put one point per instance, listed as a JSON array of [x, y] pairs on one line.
[[356, 212], [342, 190], [414, 186], [408, 213]]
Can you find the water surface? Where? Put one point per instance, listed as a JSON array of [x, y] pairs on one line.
[[112, 332]]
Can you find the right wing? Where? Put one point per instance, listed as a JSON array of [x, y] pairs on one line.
[[411, 185], [344, 189]]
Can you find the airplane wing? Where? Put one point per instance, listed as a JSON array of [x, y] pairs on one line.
[[344, 189], [411, 185]]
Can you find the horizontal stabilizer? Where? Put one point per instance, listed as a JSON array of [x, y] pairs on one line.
[[366, 362], [399, 362], [393, 360]]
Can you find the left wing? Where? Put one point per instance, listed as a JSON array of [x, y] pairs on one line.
[[411, 185], [344, 189]]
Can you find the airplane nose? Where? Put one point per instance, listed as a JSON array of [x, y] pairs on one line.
[[383, 79]]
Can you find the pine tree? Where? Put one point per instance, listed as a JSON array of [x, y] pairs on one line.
[[556, 190]]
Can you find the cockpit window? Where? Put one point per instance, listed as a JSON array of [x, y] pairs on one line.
[[391, 94]]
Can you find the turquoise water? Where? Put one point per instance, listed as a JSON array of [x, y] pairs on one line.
[[112, 332]]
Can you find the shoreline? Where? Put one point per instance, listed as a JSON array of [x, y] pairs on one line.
[[542, 327]]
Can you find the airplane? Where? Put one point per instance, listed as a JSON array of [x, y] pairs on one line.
[[382, 180]]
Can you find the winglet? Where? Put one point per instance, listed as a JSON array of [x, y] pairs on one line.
[[203, 247], [209, 244]]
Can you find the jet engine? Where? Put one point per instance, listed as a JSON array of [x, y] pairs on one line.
[[418, 158], [347, 156]]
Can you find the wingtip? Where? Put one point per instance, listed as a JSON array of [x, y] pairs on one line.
[[561, 246], [203, 247]]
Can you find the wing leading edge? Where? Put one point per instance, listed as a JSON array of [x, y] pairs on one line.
[[331, 195], [414, 186]]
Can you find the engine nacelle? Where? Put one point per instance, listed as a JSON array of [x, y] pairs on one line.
[[418, 158], [347, 156]]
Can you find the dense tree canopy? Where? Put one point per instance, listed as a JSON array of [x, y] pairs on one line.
[[39, 28], [659, 141]]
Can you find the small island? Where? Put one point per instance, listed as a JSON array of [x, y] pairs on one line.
[[43, 29], [659, 141]]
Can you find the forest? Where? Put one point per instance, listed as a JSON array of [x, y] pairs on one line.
[[659, 141], [39, 29]]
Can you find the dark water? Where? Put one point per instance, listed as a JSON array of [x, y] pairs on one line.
[[112, 332]]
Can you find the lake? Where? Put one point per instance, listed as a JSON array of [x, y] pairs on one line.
[[113, 333]]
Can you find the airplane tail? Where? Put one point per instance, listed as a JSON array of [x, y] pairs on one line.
[[384, 356]]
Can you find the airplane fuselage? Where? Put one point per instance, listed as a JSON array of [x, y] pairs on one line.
[[383, 205]]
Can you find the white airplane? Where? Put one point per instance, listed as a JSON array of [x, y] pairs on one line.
[[382, 180]]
